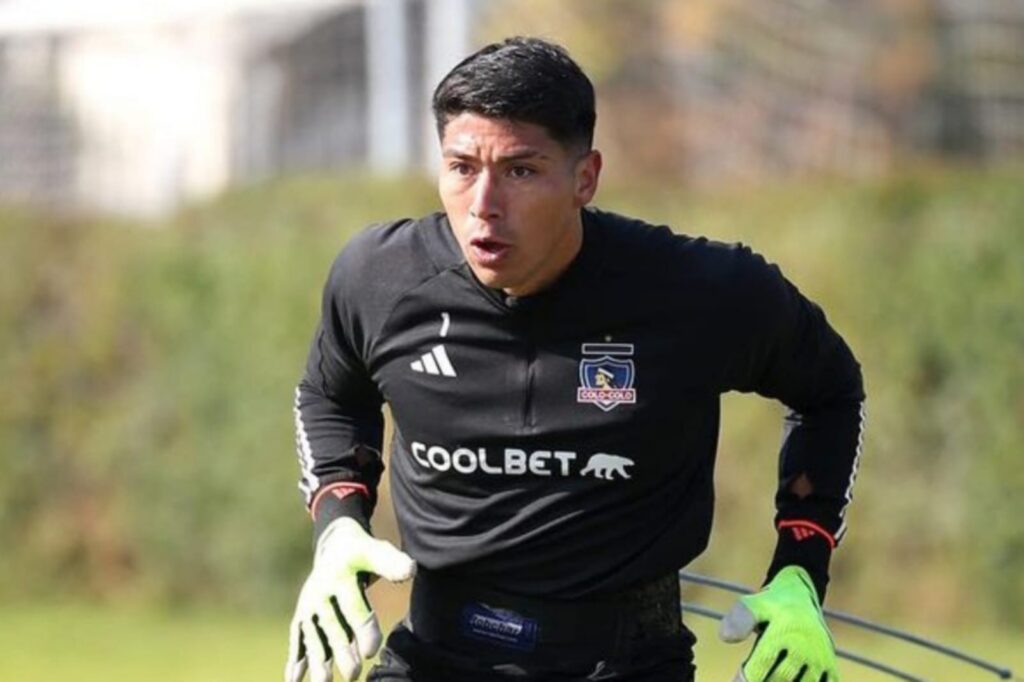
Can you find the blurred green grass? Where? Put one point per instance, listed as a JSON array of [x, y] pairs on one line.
[[90, 643]]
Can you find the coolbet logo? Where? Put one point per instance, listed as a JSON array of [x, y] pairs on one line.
[[607, 379], [518, 462]]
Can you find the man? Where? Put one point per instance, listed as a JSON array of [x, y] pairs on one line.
[[554, 374]]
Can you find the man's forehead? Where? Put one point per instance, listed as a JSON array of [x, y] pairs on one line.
[[471, 135]]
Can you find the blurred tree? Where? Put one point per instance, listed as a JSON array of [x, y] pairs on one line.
[[723, 91]]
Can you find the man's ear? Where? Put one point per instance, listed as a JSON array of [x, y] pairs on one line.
[[587, 174]]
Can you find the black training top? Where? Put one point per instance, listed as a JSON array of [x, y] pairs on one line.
[[562, 444]]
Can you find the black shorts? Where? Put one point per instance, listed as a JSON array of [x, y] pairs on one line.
[[457, 633]]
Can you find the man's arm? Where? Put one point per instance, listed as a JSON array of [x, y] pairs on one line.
[[791, 353], [338, 430], [338, 421]]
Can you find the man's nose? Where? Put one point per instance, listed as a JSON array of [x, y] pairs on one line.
[[486, 198]]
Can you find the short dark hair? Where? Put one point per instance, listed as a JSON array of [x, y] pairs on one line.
[[521, 79]]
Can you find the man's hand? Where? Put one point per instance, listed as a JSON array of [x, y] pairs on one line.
[[793, 642], [334, 624]]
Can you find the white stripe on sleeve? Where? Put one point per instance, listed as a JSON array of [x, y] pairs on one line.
[[862, 418], [309, 481]]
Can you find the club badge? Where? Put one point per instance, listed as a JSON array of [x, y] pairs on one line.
[[606, 375]]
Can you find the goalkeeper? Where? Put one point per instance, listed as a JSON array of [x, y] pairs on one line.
[[554, 374]]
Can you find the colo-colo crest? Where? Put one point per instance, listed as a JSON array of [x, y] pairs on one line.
[[607, 374]]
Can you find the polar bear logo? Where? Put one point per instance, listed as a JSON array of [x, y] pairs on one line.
[[604, 465]]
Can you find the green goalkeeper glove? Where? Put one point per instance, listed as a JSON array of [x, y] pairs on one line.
[[793, 642], [334, 624]]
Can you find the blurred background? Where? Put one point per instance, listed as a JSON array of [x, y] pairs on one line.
[[176, 179]]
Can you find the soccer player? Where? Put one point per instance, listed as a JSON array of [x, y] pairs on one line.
[[554, 374]]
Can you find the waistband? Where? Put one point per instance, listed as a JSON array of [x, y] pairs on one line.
[[464, 618]]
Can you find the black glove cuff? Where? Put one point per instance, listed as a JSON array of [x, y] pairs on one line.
[[812, 553], [330, 507]]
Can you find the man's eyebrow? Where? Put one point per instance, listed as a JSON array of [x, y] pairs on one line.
[[522, 155]]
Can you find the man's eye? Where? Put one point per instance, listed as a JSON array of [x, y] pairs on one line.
[[520, 171], [460, 168]]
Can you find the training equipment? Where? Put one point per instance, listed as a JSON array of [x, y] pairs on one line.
[[334, 624], [793, 638]]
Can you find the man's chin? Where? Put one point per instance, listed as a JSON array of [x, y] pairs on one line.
[[493, 278]]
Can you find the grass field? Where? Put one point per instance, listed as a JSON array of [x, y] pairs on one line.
[[89, 643]]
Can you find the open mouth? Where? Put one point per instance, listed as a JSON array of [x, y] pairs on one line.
[[489, 251]]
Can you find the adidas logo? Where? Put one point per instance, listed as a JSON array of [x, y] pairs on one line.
[[435, 362], [800, 533]]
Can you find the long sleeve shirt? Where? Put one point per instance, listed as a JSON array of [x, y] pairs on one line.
[[563, 444]]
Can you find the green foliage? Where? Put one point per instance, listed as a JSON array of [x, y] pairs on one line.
[[149, 373], [145, 411]]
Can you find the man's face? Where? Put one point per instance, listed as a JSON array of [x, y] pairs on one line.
[[513, 196]]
